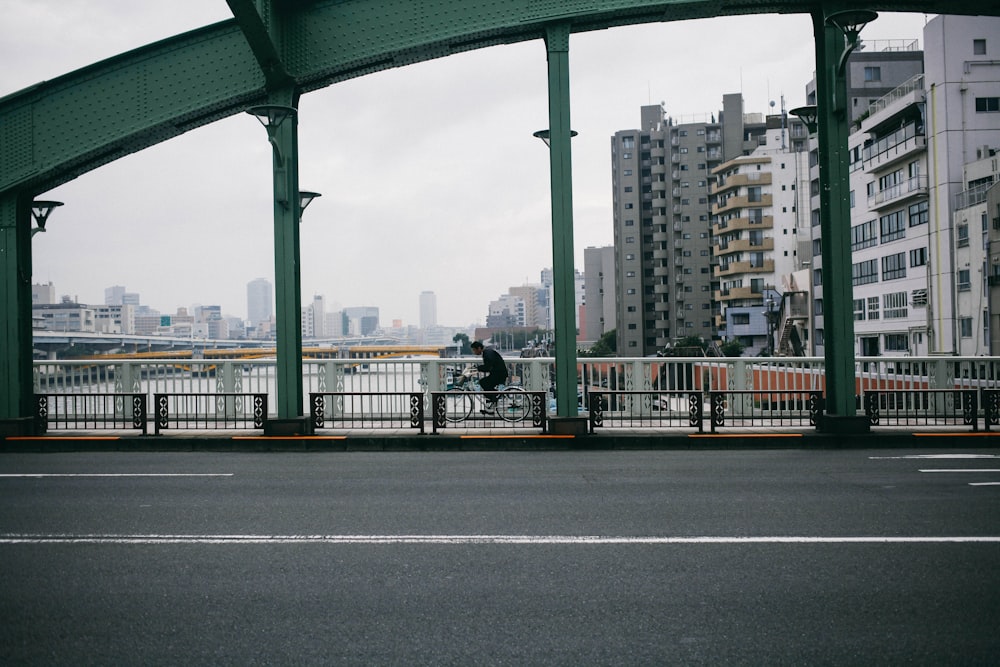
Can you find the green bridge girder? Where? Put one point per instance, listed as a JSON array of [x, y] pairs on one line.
[[59, 129], [272, 52]]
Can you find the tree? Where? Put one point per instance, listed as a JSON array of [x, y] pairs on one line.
[[733, 348], [463, 341], [690, 346], [604, 347]]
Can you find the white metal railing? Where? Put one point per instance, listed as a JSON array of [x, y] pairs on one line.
[[425, 375]]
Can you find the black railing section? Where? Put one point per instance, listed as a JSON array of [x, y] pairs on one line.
[[462, 409], [209, 411], [645, 409], [926, 407], [760, 408], [90, 412], [348, 410]]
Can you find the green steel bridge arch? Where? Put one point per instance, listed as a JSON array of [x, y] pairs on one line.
[[273, 51]]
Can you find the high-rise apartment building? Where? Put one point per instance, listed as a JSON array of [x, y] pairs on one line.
[[260, 301], [599, 292], [661, 175], [761, 235], [428, 310]]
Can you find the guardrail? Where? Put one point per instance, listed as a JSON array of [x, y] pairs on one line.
[[82, 412], [663, 388], [209, 411], [367, 410], [924, 407], [532, 415]]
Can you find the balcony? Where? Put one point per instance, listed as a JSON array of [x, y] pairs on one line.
[[743, 245], [734, 203], [898, 146], [733, 224], [738, 180], [896, 194], [735, 268]]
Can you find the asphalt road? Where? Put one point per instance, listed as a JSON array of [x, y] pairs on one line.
[[501, 558]]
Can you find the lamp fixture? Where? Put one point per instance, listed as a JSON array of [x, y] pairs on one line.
[[40, 211], [809, 115], [305, 198], [546, 135]]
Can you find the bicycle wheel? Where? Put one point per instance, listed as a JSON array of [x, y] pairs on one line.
[[513, 404], [457, 405]]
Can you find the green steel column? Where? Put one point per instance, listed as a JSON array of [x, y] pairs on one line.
[[16, 386], [287, 279], [835, 230], [563, 282]]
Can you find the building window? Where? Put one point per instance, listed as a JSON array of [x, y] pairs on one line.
[[894, 266], [918, 257], [628, 143], [873, 313], [629, 223], [962, 231], [859, 310], [965, 326], [896, 342], [894, 305], [964, 282], [919, 214], [987, 104], [873, 74], [979, 47], [893, 226], [864, 272], [741, 318], [629, 239], [864, 235]]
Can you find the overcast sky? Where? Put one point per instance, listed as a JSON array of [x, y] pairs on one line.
[[430, 177]]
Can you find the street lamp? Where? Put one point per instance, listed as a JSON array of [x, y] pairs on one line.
[[546, 137], [837, 36], [305, 198], [40, 211], [772, 317], [809, 115], [850, 22], [280, 122], [563, 286]]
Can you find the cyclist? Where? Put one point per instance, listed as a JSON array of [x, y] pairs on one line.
[[496, 373]]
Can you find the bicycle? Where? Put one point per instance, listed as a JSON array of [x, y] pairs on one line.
[[512, 403]]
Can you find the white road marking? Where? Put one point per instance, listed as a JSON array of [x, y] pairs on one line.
[[960, 470], [984, 483], [936, 456], [476, 539], [121, 474]]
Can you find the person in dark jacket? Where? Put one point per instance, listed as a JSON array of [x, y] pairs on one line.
[[496, 372]]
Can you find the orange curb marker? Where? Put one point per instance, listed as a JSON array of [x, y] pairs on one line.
[[289, 437], [488, 437], [954, 435], [745, 435], [64, 437]]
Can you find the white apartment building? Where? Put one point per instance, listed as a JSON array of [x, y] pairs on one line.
[[917, 252], [760, 231], [977, 255]]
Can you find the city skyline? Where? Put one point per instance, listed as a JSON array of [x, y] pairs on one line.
[[456, 196]]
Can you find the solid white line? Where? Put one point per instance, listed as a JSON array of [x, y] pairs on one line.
[[961, 470], [473, 539], [122, 474], [984, 483], [936, 456]]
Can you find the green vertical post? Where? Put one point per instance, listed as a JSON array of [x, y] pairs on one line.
[[835, 231], [16, 385], [287, 275], [560, 163]]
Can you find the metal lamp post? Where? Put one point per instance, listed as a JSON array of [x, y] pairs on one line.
[[282, 133], [837, 35], [557, 137]]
